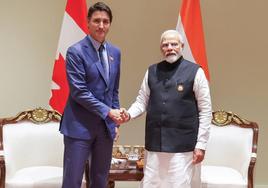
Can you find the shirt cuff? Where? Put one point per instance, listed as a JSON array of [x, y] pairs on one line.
[[200, 145], [132, 114], [105, 113]]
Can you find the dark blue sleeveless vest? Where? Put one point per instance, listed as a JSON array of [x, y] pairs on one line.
[[172, 119]]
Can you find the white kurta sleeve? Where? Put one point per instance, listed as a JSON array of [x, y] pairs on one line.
[[140, 105], [202, 95]]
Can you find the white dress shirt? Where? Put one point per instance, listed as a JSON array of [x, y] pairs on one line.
[[202, 95]]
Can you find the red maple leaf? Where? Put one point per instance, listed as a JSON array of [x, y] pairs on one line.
[[59, 95]]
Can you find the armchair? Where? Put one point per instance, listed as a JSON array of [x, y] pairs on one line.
[[31, 150], [231, 152]]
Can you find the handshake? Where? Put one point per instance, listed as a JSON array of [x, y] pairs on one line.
[[119, 116]]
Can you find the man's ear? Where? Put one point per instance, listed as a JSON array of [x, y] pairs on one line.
[[88, 19]]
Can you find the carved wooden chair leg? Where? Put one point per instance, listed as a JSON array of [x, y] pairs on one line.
[[111, 184]]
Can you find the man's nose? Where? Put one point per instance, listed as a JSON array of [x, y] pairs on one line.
[[170, 47], [101, 25]]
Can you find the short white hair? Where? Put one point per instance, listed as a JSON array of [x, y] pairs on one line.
[[174, 32]]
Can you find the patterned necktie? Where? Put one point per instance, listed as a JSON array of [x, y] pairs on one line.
[[103, 62]]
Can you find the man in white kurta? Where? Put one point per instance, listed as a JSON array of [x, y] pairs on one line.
[[175, 93]]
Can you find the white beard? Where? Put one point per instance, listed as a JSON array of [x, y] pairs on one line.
[[172, 58]]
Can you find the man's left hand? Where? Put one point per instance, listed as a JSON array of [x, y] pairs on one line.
[[198, 155]]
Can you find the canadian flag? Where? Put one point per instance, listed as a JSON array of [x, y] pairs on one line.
[[190, 26], [74, 28]]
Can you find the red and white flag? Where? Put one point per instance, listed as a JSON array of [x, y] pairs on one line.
[[190, 26], [73, 29]]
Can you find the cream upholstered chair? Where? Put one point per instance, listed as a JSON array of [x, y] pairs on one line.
[[231, 153], [31, 150]]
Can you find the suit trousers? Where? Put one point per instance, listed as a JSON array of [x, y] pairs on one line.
[[172, 170], [98, 150]]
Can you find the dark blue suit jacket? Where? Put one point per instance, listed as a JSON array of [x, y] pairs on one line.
[[91, 95]]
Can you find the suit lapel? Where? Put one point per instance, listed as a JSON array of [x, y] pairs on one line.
[[110, 60], [95, 58], [90, 50]]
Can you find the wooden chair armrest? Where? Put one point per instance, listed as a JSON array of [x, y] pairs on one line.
[[2, 169]]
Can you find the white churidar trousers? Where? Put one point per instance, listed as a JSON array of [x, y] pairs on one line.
[[170, 170]]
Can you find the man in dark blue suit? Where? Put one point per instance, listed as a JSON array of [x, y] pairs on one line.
[[91, 115]]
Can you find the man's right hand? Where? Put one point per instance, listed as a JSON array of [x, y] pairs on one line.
[[115, 115], [124, 115], [119, 116]]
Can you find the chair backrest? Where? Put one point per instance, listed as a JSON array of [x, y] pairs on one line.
[[32, 138], [232, 143]]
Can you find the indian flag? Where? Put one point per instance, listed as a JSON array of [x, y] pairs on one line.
[[190, 26]]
